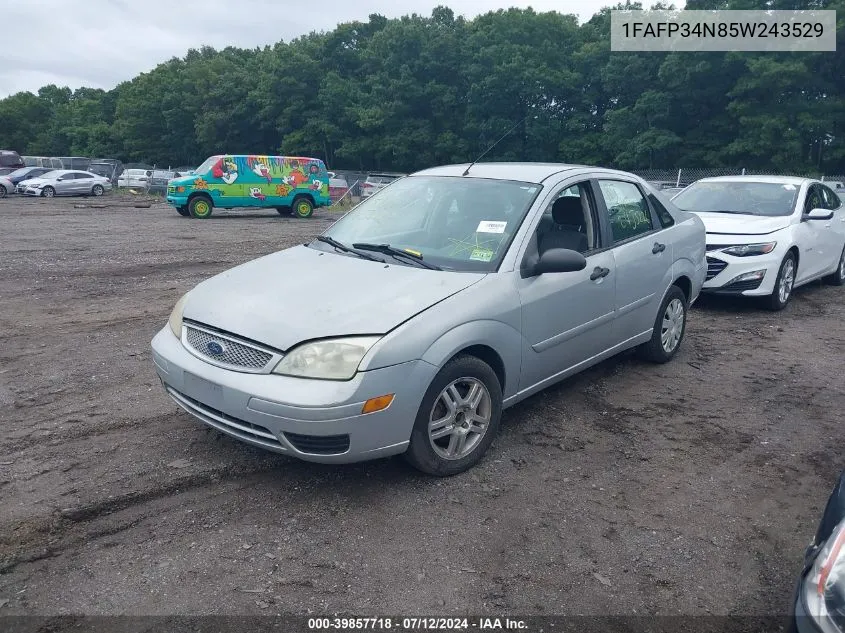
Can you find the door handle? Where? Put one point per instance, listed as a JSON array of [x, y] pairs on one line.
[[658, 248], [599, 272]]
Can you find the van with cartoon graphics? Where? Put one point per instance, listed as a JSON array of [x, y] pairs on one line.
[[291, 185]]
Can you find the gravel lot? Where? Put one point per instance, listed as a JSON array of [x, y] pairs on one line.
[[689, 488]]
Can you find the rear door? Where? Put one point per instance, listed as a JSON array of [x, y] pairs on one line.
[[642, 254], [84, 183], [835, 231]]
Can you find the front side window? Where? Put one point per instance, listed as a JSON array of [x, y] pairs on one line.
[[628, 210], [464, 224], [568, 221], [814, 199], [831, 200]]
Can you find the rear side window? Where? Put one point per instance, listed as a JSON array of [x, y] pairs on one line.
[[628, 210]]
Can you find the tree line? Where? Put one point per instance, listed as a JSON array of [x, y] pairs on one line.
[[417, 91]]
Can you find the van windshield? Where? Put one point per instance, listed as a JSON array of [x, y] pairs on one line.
[[206, 165]]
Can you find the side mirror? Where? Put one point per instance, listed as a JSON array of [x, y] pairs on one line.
[[819, 214], [559, 260], [59, 179]]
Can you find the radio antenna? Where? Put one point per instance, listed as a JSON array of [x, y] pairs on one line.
[[466, 171]]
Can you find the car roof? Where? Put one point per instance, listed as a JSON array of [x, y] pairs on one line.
[[776, 180], [523, 172]]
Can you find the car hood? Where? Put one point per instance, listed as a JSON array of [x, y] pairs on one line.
[[734, 224], [302, 293], [32, 181]]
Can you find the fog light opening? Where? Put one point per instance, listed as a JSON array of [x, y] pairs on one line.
[[377, 404], [752, 276]]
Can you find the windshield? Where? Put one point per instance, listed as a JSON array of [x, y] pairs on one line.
[[456, 223], [23, 171], [751, 198], [52, 174], [202, 169]]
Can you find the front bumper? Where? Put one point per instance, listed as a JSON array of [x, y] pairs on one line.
[[314, 420], [723, 271], [177, 200]]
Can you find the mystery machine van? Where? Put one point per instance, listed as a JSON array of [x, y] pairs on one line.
[[291, 185]]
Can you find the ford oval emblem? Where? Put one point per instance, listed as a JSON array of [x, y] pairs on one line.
[[214, 348]]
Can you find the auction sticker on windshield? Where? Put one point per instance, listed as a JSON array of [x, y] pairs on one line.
[[491, 226]]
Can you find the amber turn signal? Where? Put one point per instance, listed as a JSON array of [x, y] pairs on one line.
[[377, 404]]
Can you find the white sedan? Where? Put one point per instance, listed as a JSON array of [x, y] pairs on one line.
[[767, 235]]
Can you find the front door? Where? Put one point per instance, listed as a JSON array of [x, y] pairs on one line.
[[567, 318]]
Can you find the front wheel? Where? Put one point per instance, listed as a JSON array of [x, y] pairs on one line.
[[303, 207], [836, 279], [48, 192], [669, 328], [3, 191], [97, 190], [457, 419], [784, 284], [200, 207], [183, 211]]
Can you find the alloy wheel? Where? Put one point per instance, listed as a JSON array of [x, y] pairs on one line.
[[459, 418], [787, 279]]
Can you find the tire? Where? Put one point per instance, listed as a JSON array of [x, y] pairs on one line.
[[303, 207], [183, 211], [3, 191], [48, 192], [784, 284], [430, 455], [836, 279], [97, 191], [200, 207], [670, 325], [284, 211]]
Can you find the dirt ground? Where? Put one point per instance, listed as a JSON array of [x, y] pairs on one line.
[[689, 488]]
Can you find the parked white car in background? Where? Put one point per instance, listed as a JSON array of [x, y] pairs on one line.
[[134, 178], [767, 235], [65, 182]]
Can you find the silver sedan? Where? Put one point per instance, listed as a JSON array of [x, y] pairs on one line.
[[414, 320], [65, 182]]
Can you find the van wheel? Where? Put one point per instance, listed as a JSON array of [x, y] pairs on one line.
[[183, 211], [200, 207], [303, 207], [457, 419], [284, 210]]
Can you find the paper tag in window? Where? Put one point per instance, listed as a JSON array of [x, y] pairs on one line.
[[482, 254], [491, 226]]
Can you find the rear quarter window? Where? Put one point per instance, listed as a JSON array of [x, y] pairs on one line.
[[662, 212]]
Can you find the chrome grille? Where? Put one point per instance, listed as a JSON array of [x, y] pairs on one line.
[[714, 267], [232, 352]]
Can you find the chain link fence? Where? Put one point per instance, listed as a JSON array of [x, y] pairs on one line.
[[686, 176]]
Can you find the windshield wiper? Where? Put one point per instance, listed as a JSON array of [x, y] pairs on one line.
[[387, 249], [734, 212], [343, 247]]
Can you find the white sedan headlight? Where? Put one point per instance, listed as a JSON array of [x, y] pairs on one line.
[[749, 250], [824, 587], [175, 320], [331, 359]]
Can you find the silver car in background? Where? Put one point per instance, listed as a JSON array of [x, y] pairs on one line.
[[65, 182], [416, 318], [376, 182]]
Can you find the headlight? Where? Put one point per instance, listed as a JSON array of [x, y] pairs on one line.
[[175, 320], [332, 359], [747, 250], [824, 587]]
